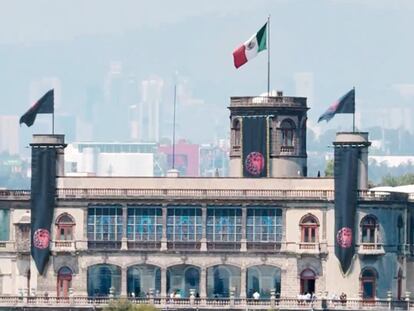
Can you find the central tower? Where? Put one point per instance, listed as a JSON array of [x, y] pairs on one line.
[[268, 136]]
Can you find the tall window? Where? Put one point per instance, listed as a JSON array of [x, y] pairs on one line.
[[309, 229], [105, 225], [368, 283], [369, 228], [184, 224], [264, 225], [144, 224], [224, 224], [64, 227], [236, 133], [64, 281], [4, 224], [307, 281], [287, 128]]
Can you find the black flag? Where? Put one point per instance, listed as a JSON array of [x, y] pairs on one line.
[[346, 104], [254, 133], [42, 199], [43, 105], [346, 174]]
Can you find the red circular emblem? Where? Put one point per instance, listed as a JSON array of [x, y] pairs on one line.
[[344, 237], [254, 163], [41, 238]]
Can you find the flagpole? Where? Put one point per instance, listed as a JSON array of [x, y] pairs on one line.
[[353, 114], [268, 56], [53, 122], [173, 142]]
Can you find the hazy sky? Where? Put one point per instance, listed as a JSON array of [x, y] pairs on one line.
[[342, 43]]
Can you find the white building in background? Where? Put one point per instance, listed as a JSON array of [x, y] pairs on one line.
[[9, 134], [111, 159], [149, 110]]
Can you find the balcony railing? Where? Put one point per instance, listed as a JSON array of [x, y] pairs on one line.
[[287, 150], [184, 245], [371, 249], [308, 246], [104, 245], [144, 245], [74, 193], [284, 303], [264, 246], [224, 246], [279, 194]]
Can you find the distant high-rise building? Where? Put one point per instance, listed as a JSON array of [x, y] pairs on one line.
[[304, 86], [9, 134], [149, 109]]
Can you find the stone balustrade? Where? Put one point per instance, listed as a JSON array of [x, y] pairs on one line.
[[284, 303]]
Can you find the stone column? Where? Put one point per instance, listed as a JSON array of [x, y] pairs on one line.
[[163, 282], [164, 229], [203, 283], [243, 247], [124, 245], [124, 282], [204, 226], [243, 288]]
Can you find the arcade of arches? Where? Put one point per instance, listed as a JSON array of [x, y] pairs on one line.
[[220, 281]]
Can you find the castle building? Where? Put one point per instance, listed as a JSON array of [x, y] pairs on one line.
[[267, 229]]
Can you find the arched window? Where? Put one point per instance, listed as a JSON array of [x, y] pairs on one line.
[[287, 128], [236, 133], [368, 283], [64, 227], [369, 230], [309, 229], [64, 281], [103, 280], [307, 281]]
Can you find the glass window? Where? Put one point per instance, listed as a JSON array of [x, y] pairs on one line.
[[288, 133], [105, 223], [64, 227], [369, 229], [224, 224], [368, 283], [4, 224], [184, 224], [264, 225], [104, 279], [309, 227], [144, 223]]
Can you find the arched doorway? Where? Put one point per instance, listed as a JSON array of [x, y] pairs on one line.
[[307, 281], [64, 282], [368, 283], [221, 280], [263, 279], [102, 278], [142, 279], [183, 278]]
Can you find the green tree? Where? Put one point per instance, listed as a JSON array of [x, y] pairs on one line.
[[406, 179], [329, 169], [125, 305]]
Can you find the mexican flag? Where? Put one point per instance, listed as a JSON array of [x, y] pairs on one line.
[[250, 48]]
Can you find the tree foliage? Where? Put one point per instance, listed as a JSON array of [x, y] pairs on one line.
[[389, 180], [329, 169], [126, 305]]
